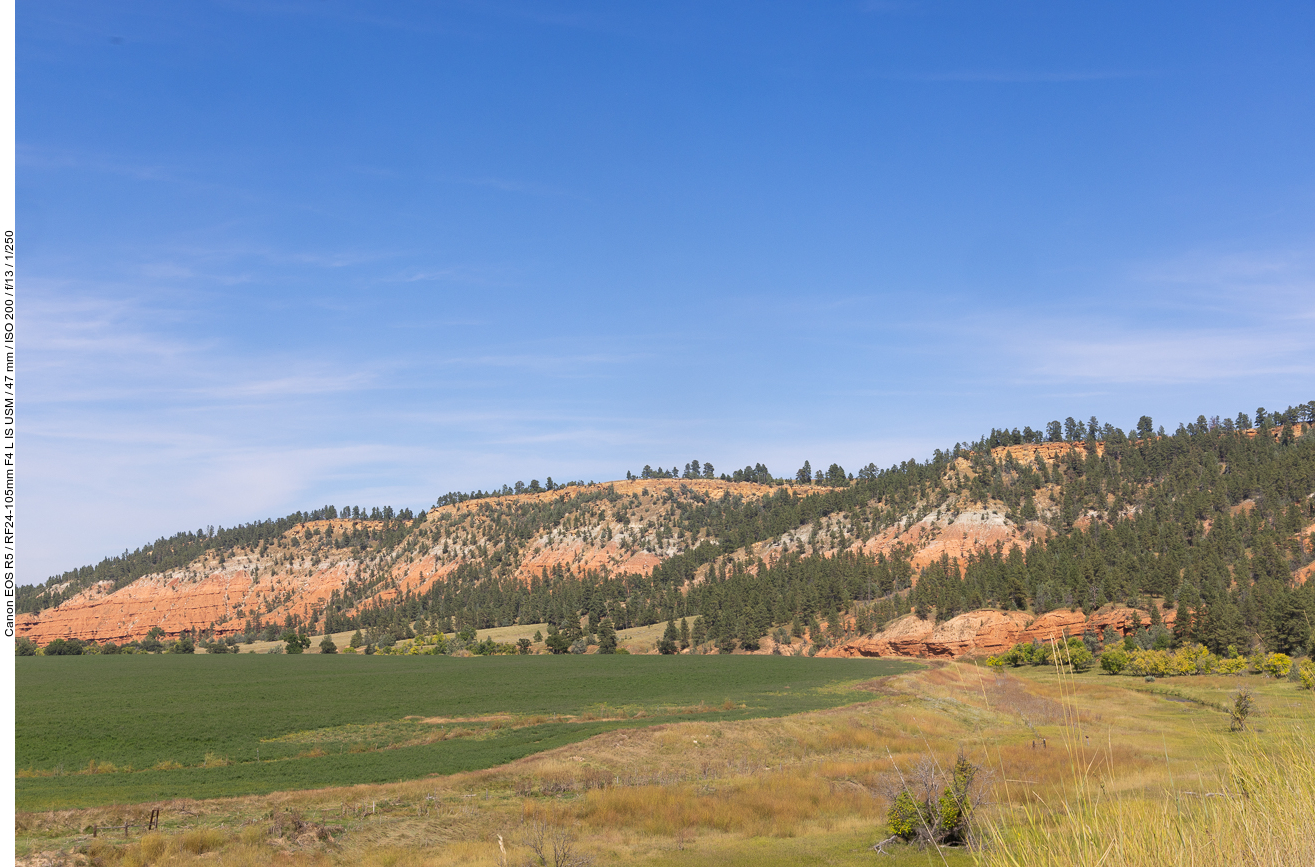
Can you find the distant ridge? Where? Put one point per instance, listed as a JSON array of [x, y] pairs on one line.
[[1216, 519]]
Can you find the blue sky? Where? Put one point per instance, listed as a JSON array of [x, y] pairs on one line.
[[278, 255]]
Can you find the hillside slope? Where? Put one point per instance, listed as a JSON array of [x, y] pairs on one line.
[[1213, 520]]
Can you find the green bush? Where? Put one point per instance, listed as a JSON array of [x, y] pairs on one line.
[[1028, 653], [918, 814], [1114, 660], [1072, 651], [905, 819], [1080, 657], [60, 647]]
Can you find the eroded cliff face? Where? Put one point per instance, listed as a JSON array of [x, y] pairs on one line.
[[988, 632], [624, 526]]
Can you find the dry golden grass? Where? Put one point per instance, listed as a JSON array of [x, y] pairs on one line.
[[1259, 808], [776, 805]]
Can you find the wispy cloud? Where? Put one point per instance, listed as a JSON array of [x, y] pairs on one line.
[[1022, 76], [1194, 318], [510, 185], [474, 275], [1170, 357]]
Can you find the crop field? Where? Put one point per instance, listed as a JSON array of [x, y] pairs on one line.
[[125, 729]]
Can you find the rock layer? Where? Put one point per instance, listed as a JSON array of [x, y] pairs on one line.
[[987, 632]]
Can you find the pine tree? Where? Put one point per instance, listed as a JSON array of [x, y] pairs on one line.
[[667, 645], [606, 637], [1182, 627], [699, 634]]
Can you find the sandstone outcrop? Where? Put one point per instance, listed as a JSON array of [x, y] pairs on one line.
[[987, 632]]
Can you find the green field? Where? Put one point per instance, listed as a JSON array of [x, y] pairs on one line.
[[250, 724]]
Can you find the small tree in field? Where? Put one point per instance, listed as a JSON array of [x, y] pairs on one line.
[[558, 642], [296, 643], [1243, 705], [327, 645], [932, 807]]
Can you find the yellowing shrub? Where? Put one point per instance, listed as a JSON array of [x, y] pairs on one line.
[[1276, 665], [1306, 674], [1236, 665], [1193, 659]]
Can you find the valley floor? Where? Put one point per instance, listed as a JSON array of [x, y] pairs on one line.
[[813, 787]]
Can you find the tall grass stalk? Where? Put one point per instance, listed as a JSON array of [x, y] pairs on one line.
[[1262, 811]]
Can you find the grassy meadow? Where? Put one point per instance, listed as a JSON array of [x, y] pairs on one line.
[[1076, 769], [105, 729]]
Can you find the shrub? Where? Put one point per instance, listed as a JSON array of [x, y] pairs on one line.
[[918, 814], [1029, 653], [327, 645], [25, 647], [1243, 705], [60, 647], [1306, 674], [1080, 657], [1114, 660], [1231, 665], [1073, 651], [1275, 665], [1191, 659], [904, 816]]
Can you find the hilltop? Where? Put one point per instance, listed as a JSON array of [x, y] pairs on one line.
[[1217, 519]]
